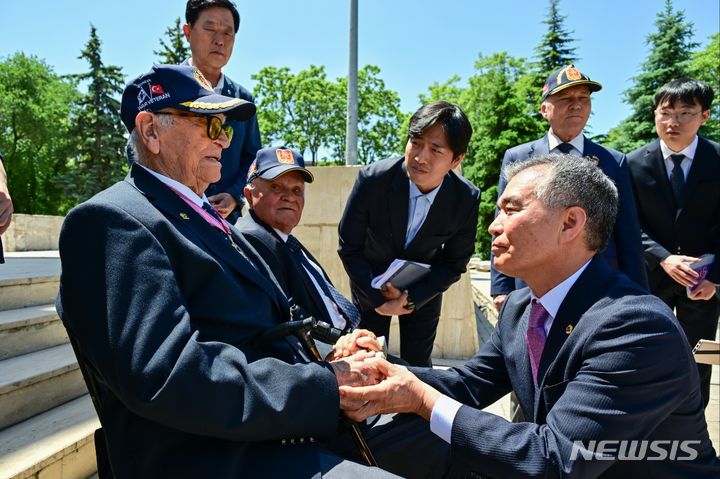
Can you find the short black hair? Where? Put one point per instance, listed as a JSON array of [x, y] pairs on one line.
[[455, 124], [687, 91], [194, 7]]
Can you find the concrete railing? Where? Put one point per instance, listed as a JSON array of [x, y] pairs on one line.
[[32, 233]]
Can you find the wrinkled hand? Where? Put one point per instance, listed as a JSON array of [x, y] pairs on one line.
[[705, 291], [401, 391], [357, 370], [224, 203], [358, 340], [394, 307], [677, 268], [499, 300], [390, 292], [6, 206]]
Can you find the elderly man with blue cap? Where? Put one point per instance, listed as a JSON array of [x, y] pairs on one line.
[[566, 105], [164, 302], [276, 194]]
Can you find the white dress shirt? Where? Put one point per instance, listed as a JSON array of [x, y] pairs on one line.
[[446, 408], [418, 208], [688, 151], [187, 192], [578, 143]]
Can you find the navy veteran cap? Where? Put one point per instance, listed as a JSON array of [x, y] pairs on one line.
[[565, 78], [272, 162], [182, 87]]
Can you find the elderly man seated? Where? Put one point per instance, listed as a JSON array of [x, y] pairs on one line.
[[165, 303], [276, 195]]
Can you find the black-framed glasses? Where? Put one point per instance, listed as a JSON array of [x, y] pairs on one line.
[[214, 124]]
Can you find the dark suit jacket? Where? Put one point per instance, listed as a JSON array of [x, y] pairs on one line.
[[624, 251], [625, 371], [164, 311], [373, 226], [693, 231], [291, 276]]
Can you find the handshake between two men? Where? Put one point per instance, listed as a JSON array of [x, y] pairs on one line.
[[371, 385]]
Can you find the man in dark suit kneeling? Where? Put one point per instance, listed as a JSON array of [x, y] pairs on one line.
[[601, 369], [166, 304]]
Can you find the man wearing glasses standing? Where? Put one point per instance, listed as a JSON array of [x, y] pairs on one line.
[[677, 189], [210, 30]]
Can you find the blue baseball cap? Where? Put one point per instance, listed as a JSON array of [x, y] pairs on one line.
[[270, 163], [565, 78], [182, 87]]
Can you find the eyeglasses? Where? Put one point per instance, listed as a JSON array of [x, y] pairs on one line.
[[680, 116], [215, 125]]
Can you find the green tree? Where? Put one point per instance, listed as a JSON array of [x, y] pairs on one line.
[[497, 107], [379, 118], [99, 136], [175, 49], [299, 111], [705, 66], [671, 46], [34, 132]]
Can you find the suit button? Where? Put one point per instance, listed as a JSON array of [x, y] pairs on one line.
[[302, 440], [312, 439], [284, 442], [292, 441]]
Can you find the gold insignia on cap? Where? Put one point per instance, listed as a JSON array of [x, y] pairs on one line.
[[285, 156], [569, 329], [184, 216], [572, 73], [253, 167], [202, 80]]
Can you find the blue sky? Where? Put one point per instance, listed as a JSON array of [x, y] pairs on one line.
[[414, 42]]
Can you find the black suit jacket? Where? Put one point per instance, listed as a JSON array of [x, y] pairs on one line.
[[373, 226], [291, 276], [694, 229], [624, 251], [616, 366], [165, 311]]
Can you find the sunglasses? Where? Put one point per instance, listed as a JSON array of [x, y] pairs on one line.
[[215, 125]]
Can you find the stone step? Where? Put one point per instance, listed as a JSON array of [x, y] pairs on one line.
[[28, 281], [38, 381], [30, 329], [57, 444]]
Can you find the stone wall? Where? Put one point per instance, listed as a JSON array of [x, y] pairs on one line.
[[32, 233], [325, 200]]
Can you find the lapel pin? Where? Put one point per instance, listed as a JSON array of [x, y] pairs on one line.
[[184, 216], [569, 329]]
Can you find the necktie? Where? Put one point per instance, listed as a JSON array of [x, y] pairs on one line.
[[535, 335], [677, 178], [565, 148], [348, 310]]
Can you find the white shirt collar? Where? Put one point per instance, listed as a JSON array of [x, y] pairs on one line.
[[187, 192], [578, 142], [282, 235], [221, 81], [552, 300], [688, 151], [430, 195]]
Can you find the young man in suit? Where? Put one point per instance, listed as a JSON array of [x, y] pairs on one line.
[[601, 368], [566, 105], [677, 189], [166, 304], [6, 206], [413, 208], [276, 195], [210, 29]]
